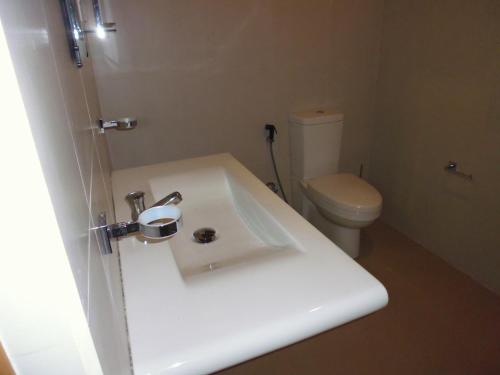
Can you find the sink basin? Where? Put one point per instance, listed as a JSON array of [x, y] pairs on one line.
[[267, 280], [245, 232]]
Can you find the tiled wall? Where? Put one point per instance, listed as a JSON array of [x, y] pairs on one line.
[[205, 76], [438, 100], [63, 107]]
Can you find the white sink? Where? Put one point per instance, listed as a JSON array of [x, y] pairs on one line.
[[246, 233], [268, 280]]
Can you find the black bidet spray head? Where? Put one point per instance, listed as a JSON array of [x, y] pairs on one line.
[[271, 130]]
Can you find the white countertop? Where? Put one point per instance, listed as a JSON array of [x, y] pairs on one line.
[[183, 323]]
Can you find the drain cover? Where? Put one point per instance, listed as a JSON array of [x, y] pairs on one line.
[[204, 235]]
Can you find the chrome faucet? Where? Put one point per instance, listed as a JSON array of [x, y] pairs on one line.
[[136, 201]]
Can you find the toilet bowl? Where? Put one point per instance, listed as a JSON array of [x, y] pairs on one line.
[[338, 204], [346, 204]]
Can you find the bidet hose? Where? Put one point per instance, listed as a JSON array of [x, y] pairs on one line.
[[271, 141]]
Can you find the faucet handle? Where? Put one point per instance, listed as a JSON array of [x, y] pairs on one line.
[[136, 201]]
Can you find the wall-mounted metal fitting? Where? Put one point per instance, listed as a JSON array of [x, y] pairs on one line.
[[452, 167], [74, 32], [101, 27], [156, 222], [100, 30], [126, 123], [106, 232]]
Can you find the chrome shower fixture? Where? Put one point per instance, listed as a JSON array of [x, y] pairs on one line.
[[75, 31], [101, 27], [126, 123]]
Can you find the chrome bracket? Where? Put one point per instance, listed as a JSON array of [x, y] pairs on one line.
[[101, 26], [108, 27], [159, 222], [127, 123], [106, 232]]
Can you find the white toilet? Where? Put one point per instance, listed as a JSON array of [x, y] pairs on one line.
[[338, 204]]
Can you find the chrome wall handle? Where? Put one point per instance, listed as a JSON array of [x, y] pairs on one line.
[[126, 123], [74, 31]]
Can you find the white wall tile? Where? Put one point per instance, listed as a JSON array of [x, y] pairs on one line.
[[62, 105]]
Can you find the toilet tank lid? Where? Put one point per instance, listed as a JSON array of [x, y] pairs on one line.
[[316, 116]]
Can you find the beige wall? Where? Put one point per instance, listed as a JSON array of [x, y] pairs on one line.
[[438, 100], [205, 76], [62, 106]]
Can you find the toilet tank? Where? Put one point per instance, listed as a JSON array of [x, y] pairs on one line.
[[315, 138]]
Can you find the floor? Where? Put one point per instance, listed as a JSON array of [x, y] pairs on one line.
[[438, 321], [5, 367]]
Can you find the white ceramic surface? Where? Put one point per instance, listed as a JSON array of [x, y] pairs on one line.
[[270, 278], [345, 195]]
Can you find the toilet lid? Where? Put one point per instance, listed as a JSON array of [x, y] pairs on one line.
[[346, 191]]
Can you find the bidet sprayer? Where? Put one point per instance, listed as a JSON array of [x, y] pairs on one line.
[[271, 129]]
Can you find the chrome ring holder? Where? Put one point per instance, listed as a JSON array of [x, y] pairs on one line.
[[161, 221]]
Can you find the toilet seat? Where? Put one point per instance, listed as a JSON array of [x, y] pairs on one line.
[[345, 195]]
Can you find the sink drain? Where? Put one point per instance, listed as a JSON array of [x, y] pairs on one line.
[[204, 235]]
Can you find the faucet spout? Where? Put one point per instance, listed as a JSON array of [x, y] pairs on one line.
[[136, 201], [172, 198]]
